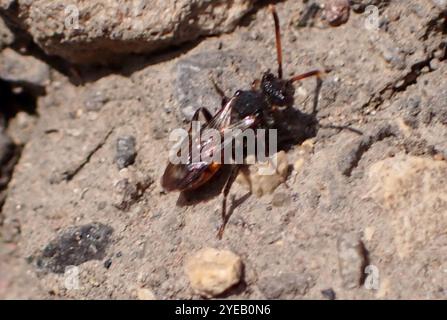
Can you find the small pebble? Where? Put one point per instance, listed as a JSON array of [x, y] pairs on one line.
[[265, 178], [328, 294], [413, 102], [95, 100], [102, 205], [125, 151], [145, 294], [336, 12], [107, 263], [212, 272], [435, 64], [298, 165]]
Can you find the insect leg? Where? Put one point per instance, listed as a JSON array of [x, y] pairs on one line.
[[219, 90], [312, 73], [226, 191], [278, 40], [205, 113], [195, 117], [246, 172]]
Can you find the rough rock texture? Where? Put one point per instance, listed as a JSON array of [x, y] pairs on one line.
[[387, 84], [414, 191], [78, 30]]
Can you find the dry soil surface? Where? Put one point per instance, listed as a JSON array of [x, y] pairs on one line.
[[363, 213]]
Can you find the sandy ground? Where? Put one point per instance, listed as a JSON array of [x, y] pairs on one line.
[[374, 199]]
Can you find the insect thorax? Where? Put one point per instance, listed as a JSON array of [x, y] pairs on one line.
[[249, 103]]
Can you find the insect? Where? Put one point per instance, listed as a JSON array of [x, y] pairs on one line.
[[246, 109]]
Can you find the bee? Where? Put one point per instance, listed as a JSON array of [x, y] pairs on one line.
[[246, 109]]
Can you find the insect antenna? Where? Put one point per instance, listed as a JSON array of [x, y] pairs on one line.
[[278, 40], [342, 127]]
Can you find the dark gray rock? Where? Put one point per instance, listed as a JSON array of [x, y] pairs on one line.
[[394, 57], [125, 151], [95, 100], [129, 190], [328, 294], [75, 246]]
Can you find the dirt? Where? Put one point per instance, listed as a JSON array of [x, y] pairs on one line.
[[363, 209]]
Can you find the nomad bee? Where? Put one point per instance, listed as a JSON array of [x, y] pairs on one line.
[[247, 109]]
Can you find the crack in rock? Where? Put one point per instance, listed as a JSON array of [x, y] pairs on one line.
[[69, 174]]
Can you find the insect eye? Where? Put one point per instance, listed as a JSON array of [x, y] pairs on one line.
[[268, 76]]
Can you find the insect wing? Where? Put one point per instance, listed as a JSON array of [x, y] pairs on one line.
[[180, 176], [183, 175], [213, 142]]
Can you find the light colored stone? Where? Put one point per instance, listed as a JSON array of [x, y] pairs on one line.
[[264, 178], [368, 233], [298, 165], [385, 289], [307, 146], [413, 190], [145, 294], [20, 128], [211, 271]]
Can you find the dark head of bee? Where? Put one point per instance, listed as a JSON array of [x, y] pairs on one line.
[[279, 91], [273, 91]]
